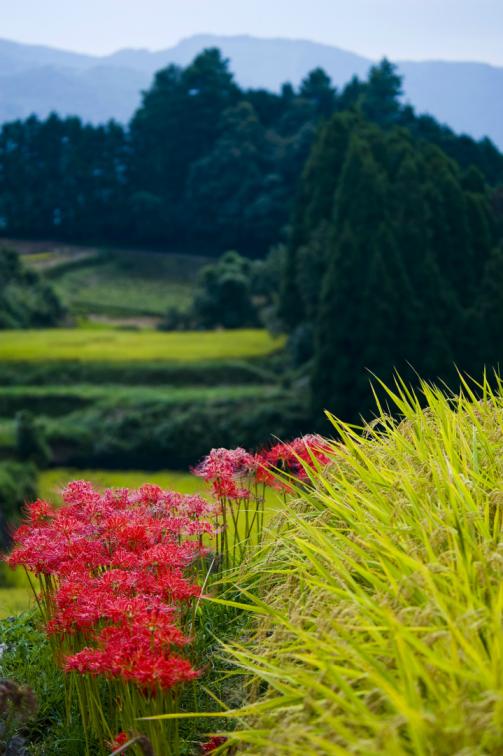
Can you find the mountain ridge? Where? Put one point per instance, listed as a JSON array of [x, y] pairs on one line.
[[466, 95]]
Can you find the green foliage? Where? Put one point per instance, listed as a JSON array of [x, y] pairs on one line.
[[54, 401], [223, 297], [381, 97], [153, 434], [222, 372], [234, 292], [378, 597], [26, 301], [203, 163]]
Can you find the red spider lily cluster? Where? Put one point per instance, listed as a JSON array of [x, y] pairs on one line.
[[238, 480], [118, 573], [232, 471], [293, 460]]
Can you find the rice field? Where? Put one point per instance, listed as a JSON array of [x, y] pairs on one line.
[[109, 345], [116, 288]]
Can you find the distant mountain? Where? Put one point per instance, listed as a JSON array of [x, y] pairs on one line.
[[35, 79]]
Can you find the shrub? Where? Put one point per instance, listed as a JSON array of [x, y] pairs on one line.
[[26, 301], [18, 484], [31, 445], [379, 598], [152, 436]]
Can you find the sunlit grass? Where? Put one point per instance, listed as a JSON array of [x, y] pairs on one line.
[[106, 345]]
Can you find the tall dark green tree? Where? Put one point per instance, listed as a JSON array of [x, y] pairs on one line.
[[176, 125], [409, 265], [381, 98], [318, 90]]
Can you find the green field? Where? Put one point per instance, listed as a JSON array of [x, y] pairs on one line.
[[50, 400], [103, 345], [128, 283], [52, 481]]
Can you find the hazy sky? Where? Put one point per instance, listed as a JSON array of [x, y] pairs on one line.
[[414, 29]]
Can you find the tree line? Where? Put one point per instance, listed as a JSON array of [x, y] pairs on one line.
[[203, 163]]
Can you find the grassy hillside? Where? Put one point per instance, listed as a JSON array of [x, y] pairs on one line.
[[127, 283], [380, 599], [115, 345]]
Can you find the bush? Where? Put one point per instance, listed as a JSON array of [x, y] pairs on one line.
[[26, 300], [380, 595], [31, 445]]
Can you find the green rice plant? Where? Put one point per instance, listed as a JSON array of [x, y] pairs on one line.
[[379, 598]]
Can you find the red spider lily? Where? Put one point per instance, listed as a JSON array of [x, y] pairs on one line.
[[120, 739], [217, 741], [137, 654], [224, 469], [292, 458]]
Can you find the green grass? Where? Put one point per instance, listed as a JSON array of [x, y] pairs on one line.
[[15, 599], [51, 482], [37, 260], [128, 283], [114, 345], [380, 600]]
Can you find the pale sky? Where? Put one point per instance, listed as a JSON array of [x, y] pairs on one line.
[[401, 29]]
